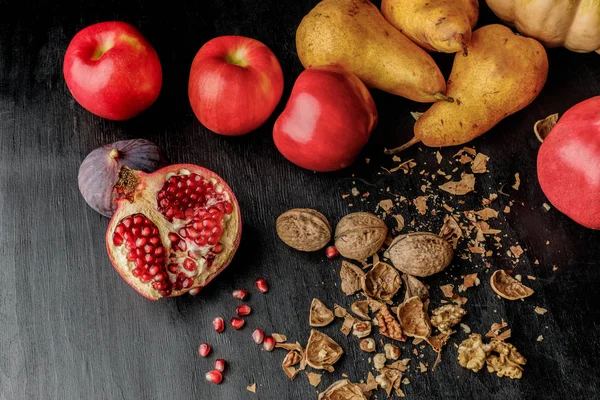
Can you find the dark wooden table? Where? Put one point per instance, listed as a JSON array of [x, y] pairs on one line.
[[71, 328]]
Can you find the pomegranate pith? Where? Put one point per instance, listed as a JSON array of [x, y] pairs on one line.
[[174, 229]]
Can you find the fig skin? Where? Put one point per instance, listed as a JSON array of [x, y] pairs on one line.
[[99, 171]]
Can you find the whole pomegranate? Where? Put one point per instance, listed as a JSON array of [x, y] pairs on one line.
[[174, 229]]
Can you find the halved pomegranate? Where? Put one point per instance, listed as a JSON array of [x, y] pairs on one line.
[[174, 229]]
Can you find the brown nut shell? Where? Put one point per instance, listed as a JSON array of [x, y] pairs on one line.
[[420, 253], [382, 282], [304, 229], [320, 315], [508, 287], [322, 351], [343, 390], [413, 318], [359, 235]]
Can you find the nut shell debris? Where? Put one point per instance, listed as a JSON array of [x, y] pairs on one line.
[[508, 287]]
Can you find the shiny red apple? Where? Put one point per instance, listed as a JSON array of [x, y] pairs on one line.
[[327, 120], [568, 164], [112, 71], [235, 84]]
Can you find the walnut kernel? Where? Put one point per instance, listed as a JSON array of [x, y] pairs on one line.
[[368, 345], [379, 360], [447, 316], [392, 352], [361, 329], [472, 353], [388, 326]]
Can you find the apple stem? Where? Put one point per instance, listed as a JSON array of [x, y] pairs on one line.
[[441, 96], [405, 146], [114, 153]]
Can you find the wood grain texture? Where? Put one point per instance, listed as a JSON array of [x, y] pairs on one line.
[[70, 328]]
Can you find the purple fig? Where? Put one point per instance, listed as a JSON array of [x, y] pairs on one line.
[[98, 172]]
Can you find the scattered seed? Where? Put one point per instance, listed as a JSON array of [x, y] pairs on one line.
[[214, 376], [258, 336], [220, 364], [218, 324], [204, 349], [243, 310], [240, 294], [262, 285], [237, 323], [269, 343], [331, 252]]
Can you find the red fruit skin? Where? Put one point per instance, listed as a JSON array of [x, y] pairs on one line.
[[568, 164], [163, 171], [327, 120], [235, 84], [112, 71]]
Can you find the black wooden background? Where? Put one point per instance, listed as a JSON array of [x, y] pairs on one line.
[[71, 328]]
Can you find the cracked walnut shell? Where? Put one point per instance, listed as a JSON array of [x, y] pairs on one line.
[[382, 282], [322, 351], [413, 318], [420, 254], [472, 353], [343, 390], [320, 315], [447, 316], [508, 287], [388, 326], [351, 277], [361, 309], [303, 229], [360, 235]]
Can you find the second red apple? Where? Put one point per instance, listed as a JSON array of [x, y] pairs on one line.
[[235, 84]]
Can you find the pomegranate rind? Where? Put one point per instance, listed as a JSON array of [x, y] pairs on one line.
[[139, 201]]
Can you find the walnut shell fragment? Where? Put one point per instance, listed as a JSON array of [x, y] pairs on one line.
[[360, 235], [320, 315], [447, 316], [382, 282], [414, 287], [361, 309], [351, 277], [342, 390], [322, 351], [508, 287], [414, 319], [420, 254], [388, 326], [303, 229]]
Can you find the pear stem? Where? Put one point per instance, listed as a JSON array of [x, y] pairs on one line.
[[441, 96], [405, 146]]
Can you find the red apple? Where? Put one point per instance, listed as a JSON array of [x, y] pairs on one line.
[[112, 71], [327, 120], [568, 164], [235, 84]]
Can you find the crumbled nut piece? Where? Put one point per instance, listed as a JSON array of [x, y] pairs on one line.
[[350, 276], [292, 358], [540, 310], [540, 338], [517, 251], [384, 383], [251, 388], [546, 206], [399, 222], [381, 282], [517, 182], [415, 287], [495, 330], [451, 230], [392, 352], [291, 372], [322, 351], [422, 367], [361, 308], [479, 164], [361, 329], [313, 378], [462, 187], [466, 328], [487, 213], [508, 287], [343, 390], [448, 290], [386, 205], [370, 385], [438, 157], [279, 338], [421, 204], [368, 345], [472, 353], [388, 326], [505, 360], [379, 360], [413, 318], [470, 280], [447, 316], [339, 311], [349, 321], [320, 315]]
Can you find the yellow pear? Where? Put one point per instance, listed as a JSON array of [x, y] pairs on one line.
[[437, 25], [502, 74], [354, 35]]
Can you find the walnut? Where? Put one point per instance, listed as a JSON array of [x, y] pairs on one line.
[[379, 360], [445, 317], [508, 287], [472, 353], [322, 351], [381, 282], [320, 315], [342, 390], [361, 329], [304, 229], [505, 360], [415, 287], [361, 308], [413, 318], [360, 235], [368, 345], [292, 358], [420, 253], [388, 326], [392, 352], [351, 277]]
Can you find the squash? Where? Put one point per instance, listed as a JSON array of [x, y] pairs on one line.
[[574, 24]]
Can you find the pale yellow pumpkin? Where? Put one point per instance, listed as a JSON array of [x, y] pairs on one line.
[[574, 24]]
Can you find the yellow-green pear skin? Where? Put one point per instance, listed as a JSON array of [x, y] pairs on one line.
[[502, 74], [435, 25], [354, 35]]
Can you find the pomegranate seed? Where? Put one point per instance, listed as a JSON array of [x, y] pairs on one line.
[[218, 324], [218, 248], [214, 376], [269, 343], [243, 310], [331, 252], [220, 364], [117, 239], [261, 285], [189, 264], [240, 294], [258, 336], [237, 323], [194, 291], [204, 349]]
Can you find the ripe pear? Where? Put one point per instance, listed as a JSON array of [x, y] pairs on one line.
[[502, 74], [436, 25], [354, 35]]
